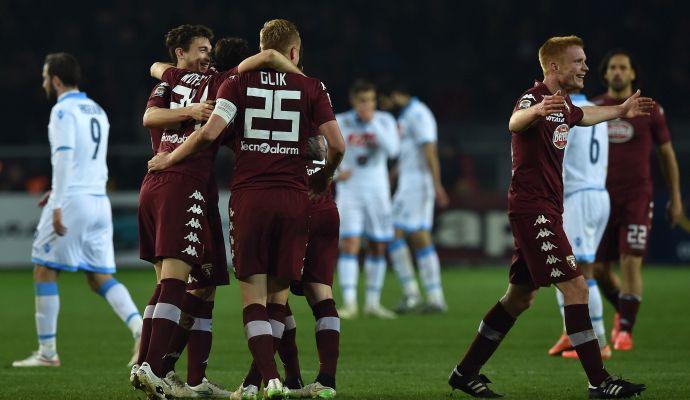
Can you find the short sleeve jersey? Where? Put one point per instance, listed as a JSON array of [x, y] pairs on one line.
[[417, 126], [187, 88], [159, 98], [630, 145], [274, 115], [537, 182]]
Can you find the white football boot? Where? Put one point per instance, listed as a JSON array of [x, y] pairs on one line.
[[274, 389], [349, 311], [312, 391], [249, 392], [154, 386], [379, 311], [209, 390], [134, 379], [36, 359], [176, 387]]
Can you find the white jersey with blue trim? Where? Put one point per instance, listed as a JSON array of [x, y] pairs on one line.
[[586, 156], [78, 124], [417, 126], [368, 146]]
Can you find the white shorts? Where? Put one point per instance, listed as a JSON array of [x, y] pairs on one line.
[[88, 242], [585, 215], [413, 210], [365, 213]]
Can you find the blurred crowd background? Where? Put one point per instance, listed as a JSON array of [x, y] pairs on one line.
[[468, 60]]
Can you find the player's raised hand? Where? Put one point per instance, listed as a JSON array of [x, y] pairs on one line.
[[44, 199], [57, 222], [159, 162], [636, 106], [202, 111], [551, 104]]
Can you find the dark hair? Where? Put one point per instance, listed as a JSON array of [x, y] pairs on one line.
[[229, 52], [388, 86], [65, 66], [182, 37], [616, 52], [361, 85]]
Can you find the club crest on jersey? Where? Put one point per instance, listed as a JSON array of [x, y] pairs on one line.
[[560, 136], [620, 131], [570, 260]]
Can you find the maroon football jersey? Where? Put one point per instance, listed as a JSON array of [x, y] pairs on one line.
[[190, 87], [274, 113], [630, 145], [326, 200], [537, 182], [160, 98]]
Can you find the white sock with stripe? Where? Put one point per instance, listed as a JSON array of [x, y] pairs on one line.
[[348, 273], [120, 300], [375, 268], [47, 309], [402, 265], [430, 274], [561, 305]]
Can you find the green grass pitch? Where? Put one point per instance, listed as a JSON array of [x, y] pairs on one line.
[[408, 358]]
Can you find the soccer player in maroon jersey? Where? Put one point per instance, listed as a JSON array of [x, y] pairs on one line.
[[195, 322], [539, 129], [269, 207], [630, 186]]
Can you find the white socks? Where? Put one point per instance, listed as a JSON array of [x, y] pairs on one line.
[[375, 268], [596, 310], [402, 265], [430, 274], [47, 309], [119, 299], [348, 273]]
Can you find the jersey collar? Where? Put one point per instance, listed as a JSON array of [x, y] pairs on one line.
[[407, 106], [72, 94]]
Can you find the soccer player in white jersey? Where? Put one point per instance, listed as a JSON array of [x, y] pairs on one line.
[[75, 231], [586, 210], [364, 199], [419, 184]]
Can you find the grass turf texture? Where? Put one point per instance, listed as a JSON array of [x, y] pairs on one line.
[[408, 358]]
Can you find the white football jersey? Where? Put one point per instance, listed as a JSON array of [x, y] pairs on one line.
[[417, 126], [368, 146], [586, 156], [80, 124]]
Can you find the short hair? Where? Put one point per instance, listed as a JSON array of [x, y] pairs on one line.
[[65, 66], [229, 52], [279, 34], [388, 86], [554, 47], [361, 85], [604, 65], [182, 37]]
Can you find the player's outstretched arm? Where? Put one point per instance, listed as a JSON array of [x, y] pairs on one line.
[[669, 168], [158, 68], [522, 119], [334, 155], [271, 59], [197, 141], [634, 106]]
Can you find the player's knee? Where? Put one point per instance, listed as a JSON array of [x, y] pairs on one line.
[[44, 274], [205, 294], [517, 303]]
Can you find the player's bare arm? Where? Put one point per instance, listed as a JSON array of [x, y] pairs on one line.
[[197, 141], [268, 59], [336, 150], [521, 120], [158, 69], [156, 117], [669, 168], [430, 152], [634, 106]]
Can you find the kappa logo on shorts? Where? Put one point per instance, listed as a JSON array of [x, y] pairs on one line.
[[194, 223], [192, 237], [551, 259], [555, 273], [548, 246], [570, 260], [197, 196], [191, 251], [196, 209], [544, 233], [541, 220]]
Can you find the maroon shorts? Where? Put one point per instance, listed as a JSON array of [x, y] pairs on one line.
[[268, 232], [215, 265], [628, 229], [173, 221], [322, 249], [542, 253]]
